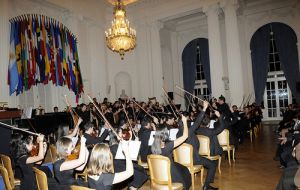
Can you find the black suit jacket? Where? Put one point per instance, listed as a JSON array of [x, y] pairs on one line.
[[215, 148]]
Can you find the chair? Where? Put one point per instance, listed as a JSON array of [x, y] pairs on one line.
[[82, 174], [75, 187], [184, 156], [41, 179], [6, 162], [5, 177], [51, 154], [224, 142], [204, 150], [160, 173]]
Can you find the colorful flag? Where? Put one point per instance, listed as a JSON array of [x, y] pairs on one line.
[[12, 68]]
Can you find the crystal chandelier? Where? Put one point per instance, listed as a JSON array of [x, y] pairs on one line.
[[120, 37]]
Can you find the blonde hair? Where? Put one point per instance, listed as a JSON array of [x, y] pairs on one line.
[[101, 160], [62, 145]]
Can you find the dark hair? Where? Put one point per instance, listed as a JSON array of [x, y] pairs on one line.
[[145, 121], [161, 135], [18, 144], [205, 121], [88, 125], [222, 98]]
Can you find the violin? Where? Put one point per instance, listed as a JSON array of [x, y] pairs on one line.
[[35, 150], [75, 153]]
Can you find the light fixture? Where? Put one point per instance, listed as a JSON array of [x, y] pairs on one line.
[[120, 37]]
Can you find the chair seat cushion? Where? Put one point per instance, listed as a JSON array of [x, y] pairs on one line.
[[230, 147], [196, 168], [175, 186]]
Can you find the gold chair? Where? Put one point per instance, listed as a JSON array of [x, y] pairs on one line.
[[82, 174], [204, 150], [75, 187], [184, 156], [160, 173], [5, 177], [41, 179], [224, 142], [6, 162], [51, 154]]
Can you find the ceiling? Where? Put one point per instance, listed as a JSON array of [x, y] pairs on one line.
[[125, 2]]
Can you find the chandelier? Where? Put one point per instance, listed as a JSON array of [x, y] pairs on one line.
[[120, 37]]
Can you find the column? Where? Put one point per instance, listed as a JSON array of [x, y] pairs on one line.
[[215, 51], [156, 59], [4, 53], [233, 51]]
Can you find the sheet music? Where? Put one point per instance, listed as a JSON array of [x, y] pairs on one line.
[[151, 139], [134, 149], [27, 113], [172, 134], [211, 124]]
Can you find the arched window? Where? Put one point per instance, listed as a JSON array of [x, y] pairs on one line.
[[200, 88], [277, 92]]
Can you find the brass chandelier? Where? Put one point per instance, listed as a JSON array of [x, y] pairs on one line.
[[120, 37]]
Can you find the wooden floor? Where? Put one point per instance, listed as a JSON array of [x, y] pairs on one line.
[[254, 168]]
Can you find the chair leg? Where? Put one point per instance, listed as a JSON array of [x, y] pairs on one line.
[[233, 154], [251, 135], [202, 172], [219, 164], [228, 153], [193, 181]]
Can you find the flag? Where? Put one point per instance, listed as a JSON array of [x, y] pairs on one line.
[[12, 68], [53, 64], [18, 57], [44, 50], [59, 54]]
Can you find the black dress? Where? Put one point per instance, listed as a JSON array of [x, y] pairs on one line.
[[179, 173], [28, 180], [104, 182], [65, 178], [139, 174]]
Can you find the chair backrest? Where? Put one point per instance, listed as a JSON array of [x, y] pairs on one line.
[[223, 138], [5, 160], [41, 179], [51, 154], [53, 151], [75, 187], [204, 149], [160, 170], [5, 177], [183, 154]]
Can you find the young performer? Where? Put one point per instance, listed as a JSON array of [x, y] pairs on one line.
[[64, 168], [163, 147], [22, 147], [100, 167]]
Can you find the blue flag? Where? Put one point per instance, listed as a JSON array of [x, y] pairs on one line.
[[12, 68]]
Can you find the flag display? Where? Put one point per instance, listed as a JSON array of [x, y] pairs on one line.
[[42, 50]]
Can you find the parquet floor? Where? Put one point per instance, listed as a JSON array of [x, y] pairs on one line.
[[254, 168]]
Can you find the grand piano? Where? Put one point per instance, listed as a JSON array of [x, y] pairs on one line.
[[47, 123]]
